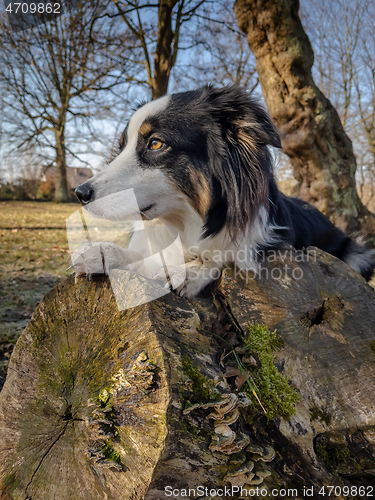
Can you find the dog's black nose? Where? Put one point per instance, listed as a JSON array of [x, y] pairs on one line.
[[84, 193]]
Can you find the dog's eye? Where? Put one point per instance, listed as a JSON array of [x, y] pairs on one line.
[[155, 144]]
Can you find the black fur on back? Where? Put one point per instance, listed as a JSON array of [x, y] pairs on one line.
[[235, 132]]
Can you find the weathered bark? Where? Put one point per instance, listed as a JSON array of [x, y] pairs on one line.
[[325, 313], [166, 50], [61, 181], [320, 152], [86, 378]]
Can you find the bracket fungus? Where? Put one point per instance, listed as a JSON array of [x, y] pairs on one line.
[[240, 476], [265, 454]]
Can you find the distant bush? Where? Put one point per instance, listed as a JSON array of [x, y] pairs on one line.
[[20, 190], [46, 189]]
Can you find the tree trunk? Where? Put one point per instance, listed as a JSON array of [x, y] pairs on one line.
[[320, 152], [101, 403], [61, 181], [164, 55]]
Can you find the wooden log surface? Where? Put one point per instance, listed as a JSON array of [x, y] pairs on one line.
[[83, 411], [325, 313]]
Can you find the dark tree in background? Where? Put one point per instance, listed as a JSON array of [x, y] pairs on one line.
[[160, 42], [53, 76], [320, 152]]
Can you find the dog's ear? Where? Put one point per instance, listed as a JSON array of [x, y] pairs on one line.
[[241, 115], [257, 128], [245, 170]]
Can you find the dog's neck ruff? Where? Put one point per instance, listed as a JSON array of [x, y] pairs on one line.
[[221, 247]]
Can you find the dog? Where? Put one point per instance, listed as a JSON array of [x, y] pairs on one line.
[[199, 162]]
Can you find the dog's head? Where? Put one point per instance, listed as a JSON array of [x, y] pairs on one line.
[[205, 148]]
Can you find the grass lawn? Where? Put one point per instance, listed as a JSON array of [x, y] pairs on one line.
[[33, 258]]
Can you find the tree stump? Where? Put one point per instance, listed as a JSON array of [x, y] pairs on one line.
[[101, 403], [83, 411]]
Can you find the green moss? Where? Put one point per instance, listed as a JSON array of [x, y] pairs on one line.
[[277, 342], [104, 401], [276, 395], [104, 398], [372, 345], [11, 482], [188, 430], [109, 453], [365, 463], [334, 454], [317, 414], [204, 389]]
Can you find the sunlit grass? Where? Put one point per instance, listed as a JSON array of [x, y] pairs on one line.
[[32, 261]]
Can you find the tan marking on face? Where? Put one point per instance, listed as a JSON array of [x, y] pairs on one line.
[[202, 200], [145, 128]]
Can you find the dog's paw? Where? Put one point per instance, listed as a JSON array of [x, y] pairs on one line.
[[197, 277], [172, 276], [189, 289], [101, 258], [87, 260]]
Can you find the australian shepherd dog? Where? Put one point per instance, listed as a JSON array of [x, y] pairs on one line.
[[199, 162]]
